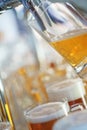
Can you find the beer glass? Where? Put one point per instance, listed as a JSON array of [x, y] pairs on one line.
[[5, 126], [70, 90], [66, 33], [20, 84], [74, 121], [44, 116]]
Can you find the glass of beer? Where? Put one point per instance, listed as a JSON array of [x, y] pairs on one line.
[[5, 126], [44, 116], [66, 31], [74, 121], [70, 90]]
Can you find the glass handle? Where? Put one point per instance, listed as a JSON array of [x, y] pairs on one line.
[[41, 6], [74, 9], [81, 69], [39, 20], [28, 4]]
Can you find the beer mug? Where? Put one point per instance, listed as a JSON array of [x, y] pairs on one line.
[[5, 126], [71, 90], [20, 83], [44, 116], [75, 121], [66, 32]]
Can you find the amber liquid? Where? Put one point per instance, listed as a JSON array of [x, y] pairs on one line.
[[78, 102], [73, 49], [43, 125]]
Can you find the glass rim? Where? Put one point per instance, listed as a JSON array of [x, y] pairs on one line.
[[71, 82], [51, 113], [68, 89]]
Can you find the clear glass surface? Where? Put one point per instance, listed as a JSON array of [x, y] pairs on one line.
[[66, 32], [75, 121]]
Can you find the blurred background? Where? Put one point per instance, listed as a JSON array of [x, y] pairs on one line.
[[28, 64]]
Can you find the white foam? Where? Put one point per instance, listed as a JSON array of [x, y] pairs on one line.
[[46, 112], [71, 89]]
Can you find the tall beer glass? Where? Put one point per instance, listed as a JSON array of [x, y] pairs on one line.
[[44, 116], [75, 121], [20, 83], [67, 33], [72, 90]]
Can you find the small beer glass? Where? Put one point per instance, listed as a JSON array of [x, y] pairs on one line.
[[72, 90], [75, 121], [44, 116], [5, 126]]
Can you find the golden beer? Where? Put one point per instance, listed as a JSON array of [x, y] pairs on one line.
[[44, 116], [42, 126], [73, 48]]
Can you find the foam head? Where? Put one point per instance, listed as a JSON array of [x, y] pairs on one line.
[[70, 89], [46, 112]]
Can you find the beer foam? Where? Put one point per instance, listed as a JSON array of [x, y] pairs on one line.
[[47, 112], [71, 89], [73, 33], [75, 121]]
